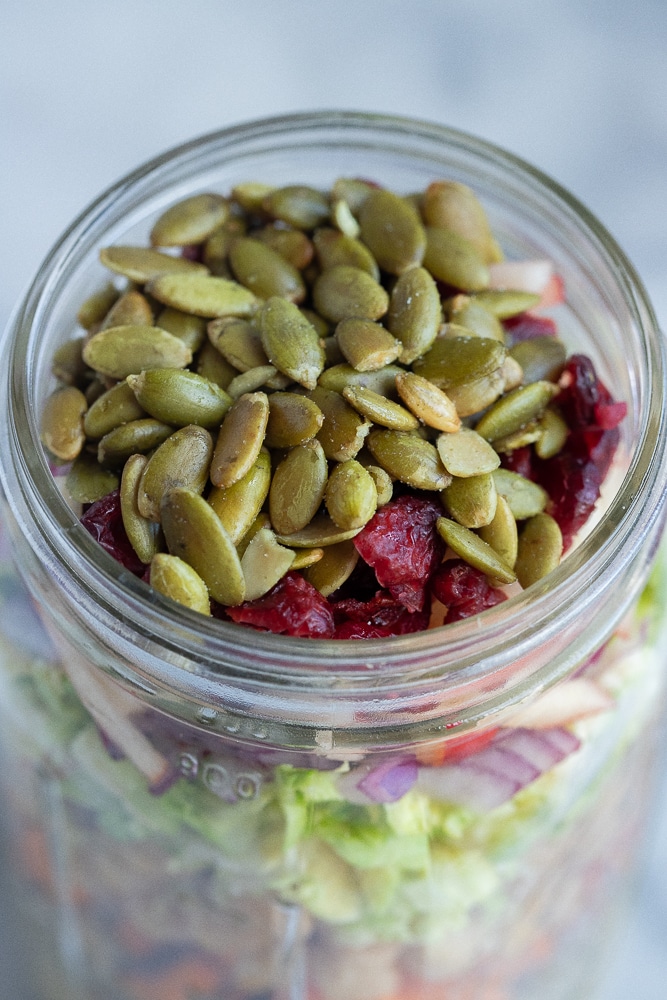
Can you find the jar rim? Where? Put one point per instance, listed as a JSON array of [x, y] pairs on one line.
[[465, 650]]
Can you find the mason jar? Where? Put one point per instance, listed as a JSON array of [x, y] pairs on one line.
[[197, 809]]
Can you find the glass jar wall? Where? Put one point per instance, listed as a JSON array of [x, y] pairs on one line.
[[198, 809]]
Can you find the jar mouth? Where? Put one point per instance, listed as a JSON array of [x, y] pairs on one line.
[[471, 649]]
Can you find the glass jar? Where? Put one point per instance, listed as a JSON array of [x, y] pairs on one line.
[[198, 809]]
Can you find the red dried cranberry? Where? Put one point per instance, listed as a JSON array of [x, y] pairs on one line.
[[520, 461], [381, 609], [574, 476], [104, 521], [463, 590], [405, 623], [527, 325], [292, 607], [402, 545]]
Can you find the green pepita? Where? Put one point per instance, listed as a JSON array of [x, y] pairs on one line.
[[120, 351], [297, 488], [194, 533], [172, 577], [181, 461], [190, 221]]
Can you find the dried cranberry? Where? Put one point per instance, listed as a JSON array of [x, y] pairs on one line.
[[104, 521], [408, 621], [520, 461], [574, 476], [463, 590], [527, 325], [402, 545], [381, 609], [292, 607]]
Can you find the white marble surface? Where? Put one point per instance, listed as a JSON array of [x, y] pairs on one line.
[[578, 87]]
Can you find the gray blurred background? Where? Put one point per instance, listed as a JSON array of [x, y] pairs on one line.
[[579, 87]]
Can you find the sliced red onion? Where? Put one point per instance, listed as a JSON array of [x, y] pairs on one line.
[[491, 777], [387, 781]]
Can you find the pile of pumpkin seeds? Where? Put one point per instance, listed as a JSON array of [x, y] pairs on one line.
[[257, 380]]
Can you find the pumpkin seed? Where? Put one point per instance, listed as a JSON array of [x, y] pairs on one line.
[[182, 460], [471, 313], [261, 521], [342, 292], [211, 365], [87, 481], [239, 341], [540, 549], [172, 577], [382, 381], [529, 434], [141, 264], [264, 271], [67, 363], [343, 219], [460, 360], [464, 453], [251, 195], [131, 309], [540, 358], [291, 343], [215, 252], [553, 434], [512, 373], [140, 435], [334, 248], [298, 205], [454, 206], [428, 403], [334, 568], [379, 409], [203, 295], [471, 501], [293, 420], [62, 430], [180, 397], [127, 350], [306, 557], [452, 259], [320, 533], [415, 313], [408, 458], [194, 532], [476, 396], [506, 302], [264, 376], [93, 309], [384, 486], [525, 498], [350, 496], [353, 190], [366, 345], [240, 439], [298, 487], [188, 328], [292, 244], [476, 552], [516, 409], [392, 230], [264, 562], [343, 430], [190, 221], [143, 534], [501, 533], [238, 505]]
